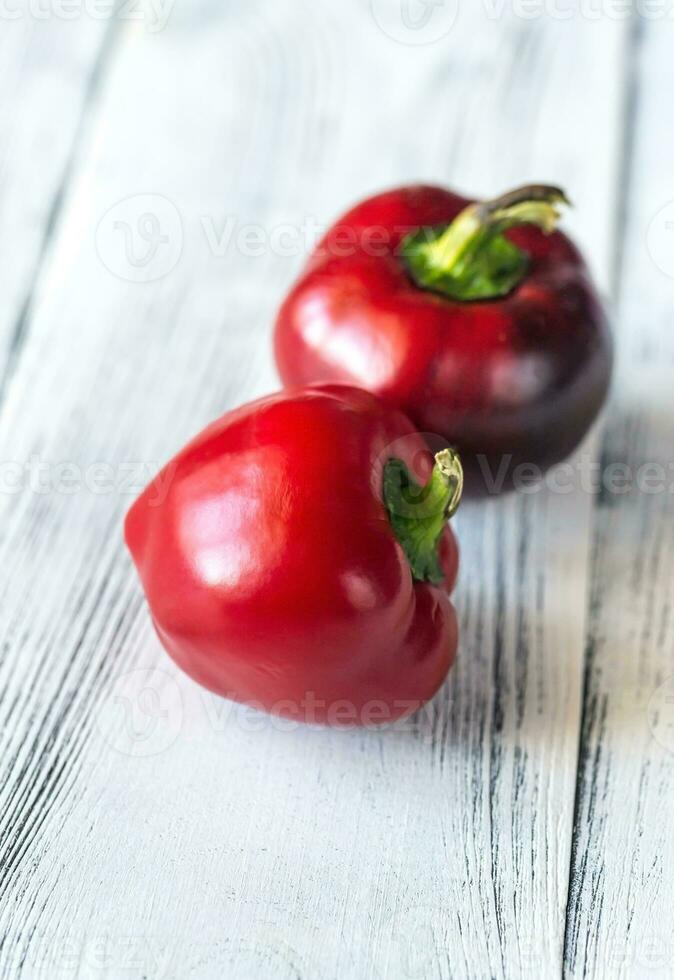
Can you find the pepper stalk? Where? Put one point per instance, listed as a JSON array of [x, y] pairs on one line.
[[471, 259], [418, 515]]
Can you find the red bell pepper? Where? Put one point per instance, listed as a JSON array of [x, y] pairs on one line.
[[296, 556], [478, 320]]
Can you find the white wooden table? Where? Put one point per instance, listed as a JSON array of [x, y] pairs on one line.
[[161, 173]]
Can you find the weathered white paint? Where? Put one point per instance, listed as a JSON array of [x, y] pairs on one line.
[[49, 76], [220, 845], [621, 912]]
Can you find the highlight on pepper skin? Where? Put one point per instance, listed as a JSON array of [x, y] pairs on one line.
[[296, 564], [479, 320]]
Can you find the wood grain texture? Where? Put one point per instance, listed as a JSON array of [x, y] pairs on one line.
[[621, 921], [147, 829], [49, 75]]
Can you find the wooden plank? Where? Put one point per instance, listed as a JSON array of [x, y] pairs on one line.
[[621, 909], [49, 74], [205, 841]]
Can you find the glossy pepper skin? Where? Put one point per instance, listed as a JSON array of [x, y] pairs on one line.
[[510, 369], [272, 569]]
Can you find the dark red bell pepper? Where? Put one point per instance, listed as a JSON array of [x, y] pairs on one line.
[[478, 320], [296, 556]]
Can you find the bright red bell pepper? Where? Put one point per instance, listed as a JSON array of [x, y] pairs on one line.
[[478, 320], [296, 556]]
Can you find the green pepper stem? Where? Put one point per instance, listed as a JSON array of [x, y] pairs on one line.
[[470, 258], [418, 514]]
